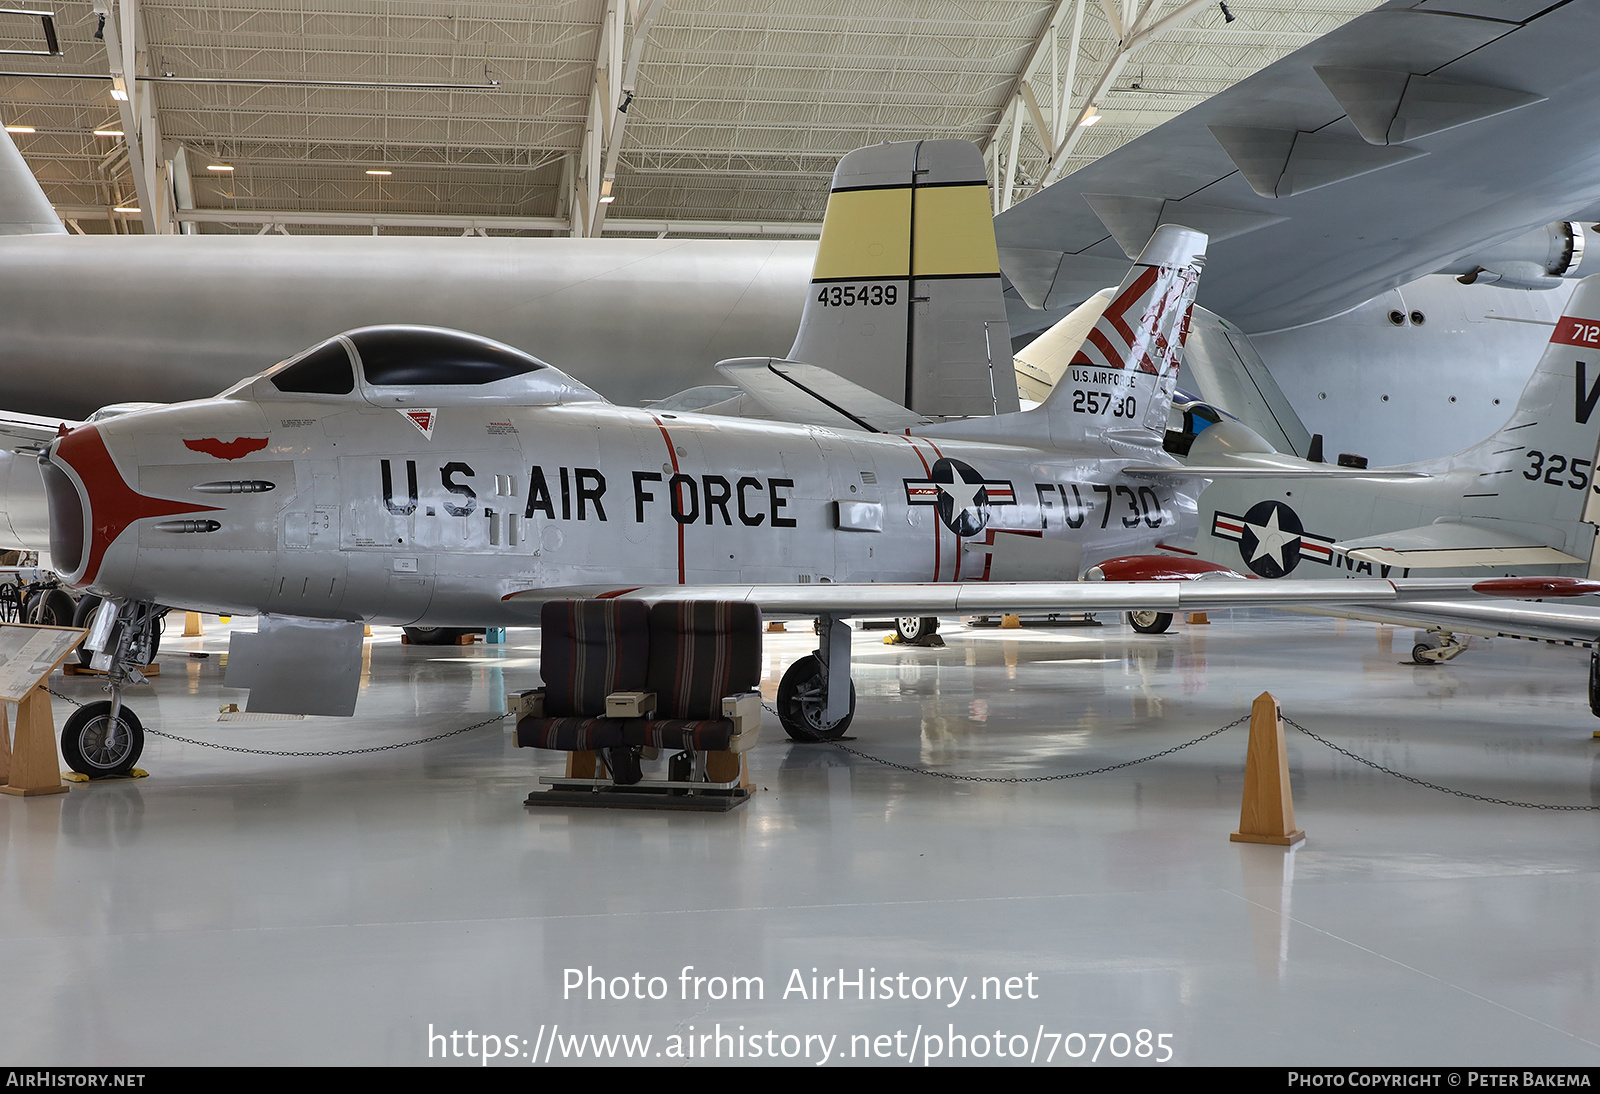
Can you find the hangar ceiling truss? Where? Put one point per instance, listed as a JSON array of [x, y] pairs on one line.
[[433, 116]]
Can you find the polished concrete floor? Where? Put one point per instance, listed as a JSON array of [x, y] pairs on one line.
[[235, 908]]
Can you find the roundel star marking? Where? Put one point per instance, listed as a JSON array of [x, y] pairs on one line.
[[963, 502], [1270, 545]]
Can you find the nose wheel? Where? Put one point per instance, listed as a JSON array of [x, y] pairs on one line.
[[97, 743]]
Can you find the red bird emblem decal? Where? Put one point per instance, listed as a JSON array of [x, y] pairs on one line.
[[227, 450]]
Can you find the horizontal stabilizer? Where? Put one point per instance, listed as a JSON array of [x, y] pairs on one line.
[[810, 395], [1451, 544]]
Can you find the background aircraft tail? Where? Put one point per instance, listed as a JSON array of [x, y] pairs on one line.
[[1119, 385], [905, 295], [1539, 468], [24, 210]]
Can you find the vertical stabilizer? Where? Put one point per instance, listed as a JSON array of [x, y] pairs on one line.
[[1539, 467], [1119, 385], [24, 210], [905, 295]]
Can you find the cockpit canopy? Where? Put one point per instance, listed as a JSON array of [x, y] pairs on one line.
[[405, 365]]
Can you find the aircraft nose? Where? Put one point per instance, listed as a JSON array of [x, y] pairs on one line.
[[92, 504]]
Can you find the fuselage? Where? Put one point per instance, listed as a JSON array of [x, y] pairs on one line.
[[337, 507]]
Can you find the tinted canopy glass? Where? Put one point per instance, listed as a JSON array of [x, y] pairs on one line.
[[324, 370], [410, 356]]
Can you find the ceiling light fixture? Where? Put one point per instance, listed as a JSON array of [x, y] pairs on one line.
[[108, 132], [377, 172], [219, 167], [20, 129], [126, 209], [1090, 118]]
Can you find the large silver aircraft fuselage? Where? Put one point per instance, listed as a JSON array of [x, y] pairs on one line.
[[95, 320], [354, 512]]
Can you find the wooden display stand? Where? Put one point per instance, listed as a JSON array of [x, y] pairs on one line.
[[33, 767], [32, 653], [1266, 815]]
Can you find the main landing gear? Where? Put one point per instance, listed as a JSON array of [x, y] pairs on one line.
[[103, 739], [816, 698], [1148, 622]]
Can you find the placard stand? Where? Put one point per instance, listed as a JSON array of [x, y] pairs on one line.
[[28, 655]]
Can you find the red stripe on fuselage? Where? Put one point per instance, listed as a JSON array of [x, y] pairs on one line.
[[672, 453]]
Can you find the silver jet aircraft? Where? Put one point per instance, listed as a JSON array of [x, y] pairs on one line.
[[423, 476]]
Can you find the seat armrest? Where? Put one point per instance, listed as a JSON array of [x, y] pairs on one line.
[[525, 704], [744, 710], [630, 704]]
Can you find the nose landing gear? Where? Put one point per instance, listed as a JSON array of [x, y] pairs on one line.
[[105, 739]]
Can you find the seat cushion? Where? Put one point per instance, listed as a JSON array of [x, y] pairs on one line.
[[589, 649], [704, 735], [701, 651], [570, 734]]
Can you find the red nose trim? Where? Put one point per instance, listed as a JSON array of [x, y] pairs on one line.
[[113, 505]]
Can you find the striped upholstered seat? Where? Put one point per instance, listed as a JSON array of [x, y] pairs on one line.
[[589, 649], [701, 652]]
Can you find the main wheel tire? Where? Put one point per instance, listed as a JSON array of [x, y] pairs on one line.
[[1150, 622], [800, 703], [82, 616], [434, 636], [52, 608], [84, 741], [914, 628]]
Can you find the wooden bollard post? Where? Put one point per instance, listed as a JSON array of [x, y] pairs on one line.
[[191, 625], [1010, 622], [1266, 815]]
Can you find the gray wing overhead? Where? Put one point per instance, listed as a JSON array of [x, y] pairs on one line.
[[1379, 153]]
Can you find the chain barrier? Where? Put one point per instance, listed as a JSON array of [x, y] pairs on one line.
[[1030, 779], [769, 708], [339, 752], [1187, 744], [1288, 721]]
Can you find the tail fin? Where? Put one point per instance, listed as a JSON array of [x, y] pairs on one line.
[[905, 295], [1120, 383], [24, 210], [1538, 468]]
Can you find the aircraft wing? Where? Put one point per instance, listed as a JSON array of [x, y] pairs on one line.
[[1569, 623], [855, 601], [1405, 140], [812, 395], [1450, 544]]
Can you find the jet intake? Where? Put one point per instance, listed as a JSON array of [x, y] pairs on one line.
[[66, 519]]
